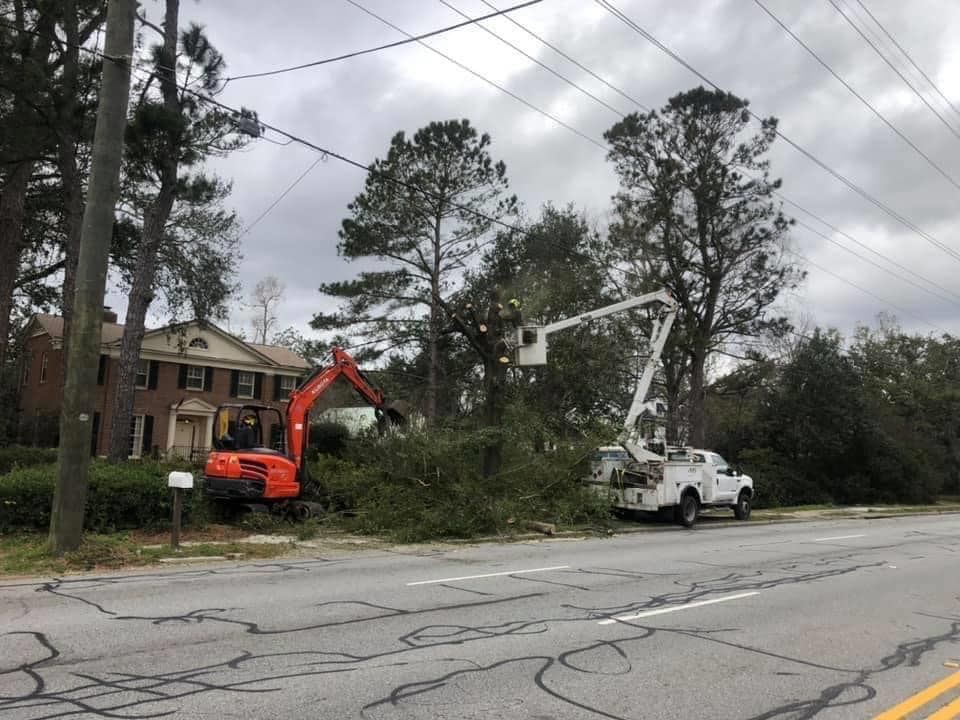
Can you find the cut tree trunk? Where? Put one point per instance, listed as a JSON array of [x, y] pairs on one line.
[[12, 201]]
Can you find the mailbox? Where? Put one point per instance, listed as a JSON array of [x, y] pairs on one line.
[[180, 480]]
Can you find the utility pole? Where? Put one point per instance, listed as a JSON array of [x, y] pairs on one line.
[[76, 415]]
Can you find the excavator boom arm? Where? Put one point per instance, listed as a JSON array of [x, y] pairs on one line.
[[304, 397]]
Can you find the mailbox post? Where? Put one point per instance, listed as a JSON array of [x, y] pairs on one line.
[[179, 481]]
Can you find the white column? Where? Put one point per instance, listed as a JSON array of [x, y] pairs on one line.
[[171, 428], [209, 430]]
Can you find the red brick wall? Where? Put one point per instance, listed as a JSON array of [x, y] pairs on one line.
[[45, 397]]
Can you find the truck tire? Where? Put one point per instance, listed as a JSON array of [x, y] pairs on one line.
[[742, 509], [688, 509]]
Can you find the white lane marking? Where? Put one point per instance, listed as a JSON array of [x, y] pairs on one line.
[[487, 575], [675, 608], [838, 537]]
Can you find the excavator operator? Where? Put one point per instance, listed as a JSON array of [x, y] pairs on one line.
[[247, 432]]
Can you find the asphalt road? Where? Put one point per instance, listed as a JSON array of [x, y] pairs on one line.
[[840, 619]]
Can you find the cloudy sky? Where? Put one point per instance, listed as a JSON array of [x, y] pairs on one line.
[[353, 107]]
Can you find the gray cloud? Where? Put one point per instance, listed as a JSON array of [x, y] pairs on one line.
[[354, 107]]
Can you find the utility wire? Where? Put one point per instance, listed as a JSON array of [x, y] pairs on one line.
[[864, 290], [893, 67], [783, 197], [955, 295], [398, 43], [487, 80], [613, 10], [282, 195], [567, 57], [530, 57], [909, 58], [883, 118], [325, 152]]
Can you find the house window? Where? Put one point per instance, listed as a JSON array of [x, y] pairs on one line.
[[136, 436], [25, 380], [199, 343], [143, 374], [288, 383], [43, 368], [245, 385], [195, 377]]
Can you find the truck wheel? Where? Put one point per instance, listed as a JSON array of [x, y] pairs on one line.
[[689, 508], [741, 510]]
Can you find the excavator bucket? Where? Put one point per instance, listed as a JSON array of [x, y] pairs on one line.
[[392, 414]]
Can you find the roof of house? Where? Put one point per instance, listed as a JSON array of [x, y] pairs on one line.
[[280, 355], [53, 326], [113, 333]]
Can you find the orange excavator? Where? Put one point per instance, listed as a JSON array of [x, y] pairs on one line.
[[240, 468]]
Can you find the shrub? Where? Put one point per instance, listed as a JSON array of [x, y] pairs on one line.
[[131, 495], [328, 438], [14, 456]]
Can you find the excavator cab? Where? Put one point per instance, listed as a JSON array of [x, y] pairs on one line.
[[249, 427]]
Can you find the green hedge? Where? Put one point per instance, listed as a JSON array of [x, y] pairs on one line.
[[14, 456], [131, 495]]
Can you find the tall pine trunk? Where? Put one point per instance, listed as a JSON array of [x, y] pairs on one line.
[[145, 271], [67, 143], [12, 200], [494, 378], [696, 403], [433, 339]]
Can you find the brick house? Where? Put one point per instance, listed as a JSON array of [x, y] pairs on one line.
[[185, 372]]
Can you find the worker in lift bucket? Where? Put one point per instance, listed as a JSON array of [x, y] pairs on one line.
[[247, 432]]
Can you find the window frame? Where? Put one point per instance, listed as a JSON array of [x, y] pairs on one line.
[[241, 384], [136, 437], [198, 343], [44, 362], [146, 375], [293, 379], [203, 378], [25, 375]]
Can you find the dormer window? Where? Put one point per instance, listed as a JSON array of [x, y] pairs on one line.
[[198, 343]]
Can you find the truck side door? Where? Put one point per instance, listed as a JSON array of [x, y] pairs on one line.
[[727, 481]]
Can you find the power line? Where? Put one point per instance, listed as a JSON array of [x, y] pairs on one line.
[[325, 152], [840, 245], [811, 214], [866, 247], [530, 57], [893, 67], [883, 118], [864, 290], [398, 43], [567, 57], [909, 58], [282, 195], [613, 10], [477, 75]]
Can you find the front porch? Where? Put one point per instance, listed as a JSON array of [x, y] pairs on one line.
[[190, 430]]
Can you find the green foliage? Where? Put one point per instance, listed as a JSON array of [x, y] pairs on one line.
[[877, 424], [132, 495], [328, 438], [428, 484], [20, 456]]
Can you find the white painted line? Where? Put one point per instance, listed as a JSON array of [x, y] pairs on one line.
[[838, 537], [675, 608], [487, 575]]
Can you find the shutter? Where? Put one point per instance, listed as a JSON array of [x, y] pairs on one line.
[[234, 380], [152, 374], [182, 377], [208, 379], [277, 391], [258, 386], [102, 370], [95, 434], [147, 435]]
